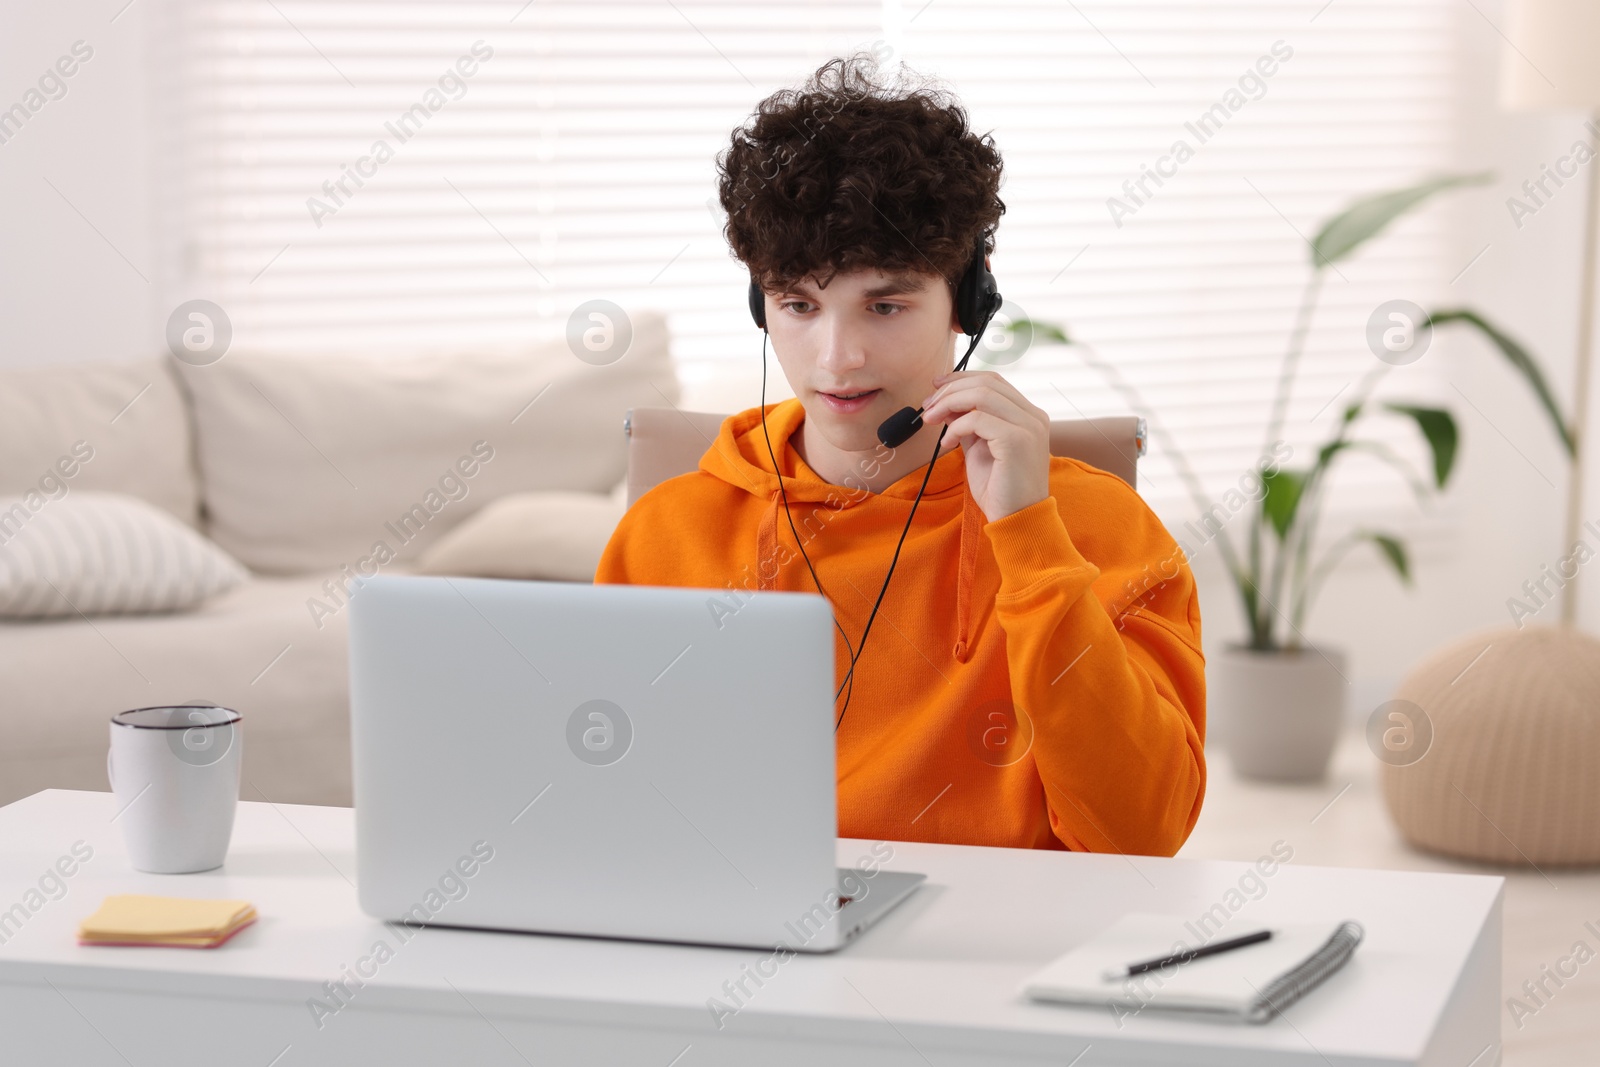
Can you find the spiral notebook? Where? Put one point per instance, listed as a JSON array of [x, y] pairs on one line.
[[1249, 984]]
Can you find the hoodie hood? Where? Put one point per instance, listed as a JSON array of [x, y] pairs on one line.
[[740, 457]]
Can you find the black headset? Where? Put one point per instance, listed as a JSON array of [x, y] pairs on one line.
[[977, 300]]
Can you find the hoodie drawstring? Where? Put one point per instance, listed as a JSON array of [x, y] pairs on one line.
[[971, 533], [767, 545]]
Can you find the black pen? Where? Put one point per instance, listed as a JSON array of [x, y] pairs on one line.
[[1185, 957]]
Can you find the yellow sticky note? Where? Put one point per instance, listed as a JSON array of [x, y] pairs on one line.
[[133, 918]]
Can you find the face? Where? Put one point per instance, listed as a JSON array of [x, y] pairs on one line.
[[881, 335]]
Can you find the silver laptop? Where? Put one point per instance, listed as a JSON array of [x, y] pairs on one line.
[[610, 760]]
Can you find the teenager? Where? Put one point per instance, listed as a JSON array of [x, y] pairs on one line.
[[1034, 676]]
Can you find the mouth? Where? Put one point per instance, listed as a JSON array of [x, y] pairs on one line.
[[851, 401]]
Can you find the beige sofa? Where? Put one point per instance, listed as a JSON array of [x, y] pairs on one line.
[[298, 466]]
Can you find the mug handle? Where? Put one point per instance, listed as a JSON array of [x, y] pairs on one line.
[[109, 776]]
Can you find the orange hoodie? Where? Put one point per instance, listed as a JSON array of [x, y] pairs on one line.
[[1034, 682]]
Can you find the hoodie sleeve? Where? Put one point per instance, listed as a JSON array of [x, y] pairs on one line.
[[618, 562], [613, 568], [1116, 695]]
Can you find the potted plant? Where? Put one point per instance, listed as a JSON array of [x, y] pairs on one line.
[[1281, 697]]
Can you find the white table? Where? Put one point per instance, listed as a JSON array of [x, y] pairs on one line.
[[933, 984]]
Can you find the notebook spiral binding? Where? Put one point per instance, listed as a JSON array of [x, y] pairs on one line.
[[1306, 977]]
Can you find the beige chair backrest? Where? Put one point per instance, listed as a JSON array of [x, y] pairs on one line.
[[666, 442]]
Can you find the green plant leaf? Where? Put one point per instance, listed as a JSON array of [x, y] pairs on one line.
[[1439, 427], [1519, 358], [1383, 452], [1046, 330], [1282, 498], [1393, 551], [1367, 217]]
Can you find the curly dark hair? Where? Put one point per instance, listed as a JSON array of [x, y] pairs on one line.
[[846, 173]]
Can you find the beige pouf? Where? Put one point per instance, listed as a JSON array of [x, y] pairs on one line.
[[1513, 771]]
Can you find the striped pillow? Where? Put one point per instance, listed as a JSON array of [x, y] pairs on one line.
[[96, 553]]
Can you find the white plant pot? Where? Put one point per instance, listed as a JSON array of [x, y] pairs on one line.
[[1279, 712]]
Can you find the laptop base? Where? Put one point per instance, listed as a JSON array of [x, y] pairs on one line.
[[885, 889]]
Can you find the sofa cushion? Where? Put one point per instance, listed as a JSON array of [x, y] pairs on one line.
[[548, 536], [259, 649], [96, 553], [122, 426], [311, 462]]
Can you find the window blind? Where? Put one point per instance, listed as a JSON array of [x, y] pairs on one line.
[[575, 162]]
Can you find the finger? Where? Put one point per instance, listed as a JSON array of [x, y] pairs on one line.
[[959, 387], [1006, 388], [965, 441], [982, 399], [989, 381], [946, 383], [994, 377], [963, 377], [991, 428]]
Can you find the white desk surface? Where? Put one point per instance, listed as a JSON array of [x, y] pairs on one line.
[[933, 982]]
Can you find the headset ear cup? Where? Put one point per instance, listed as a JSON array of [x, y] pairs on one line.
[[964, 299], [977, 296], [758, 305]]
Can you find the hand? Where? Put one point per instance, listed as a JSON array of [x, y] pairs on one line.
[[1005, 437]]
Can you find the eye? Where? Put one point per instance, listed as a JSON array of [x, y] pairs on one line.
[[791, 303], [893, 308]]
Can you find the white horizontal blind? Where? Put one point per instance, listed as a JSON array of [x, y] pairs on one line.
[[578, 163], [1192, 297]]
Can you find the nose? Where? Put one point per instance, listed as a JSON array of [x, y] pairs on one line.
[[842, 348]]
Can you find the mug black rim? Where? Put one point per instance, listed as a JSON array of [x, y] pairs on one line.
[[178, 726]]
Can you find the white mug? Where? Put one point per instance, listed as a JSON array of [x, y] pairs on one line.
[[175, 773]]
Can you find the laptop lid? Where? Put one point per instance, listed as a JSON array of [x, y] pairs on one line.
[[625, 761]]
